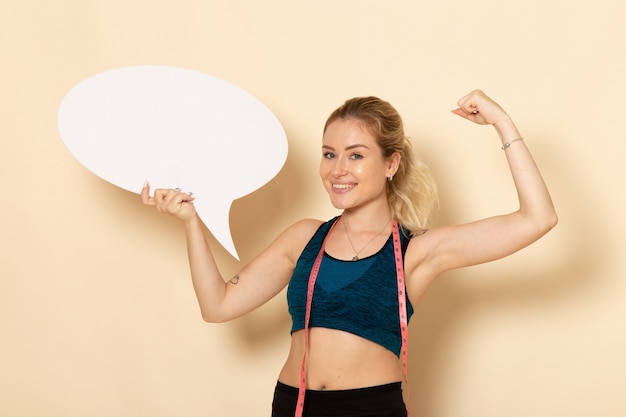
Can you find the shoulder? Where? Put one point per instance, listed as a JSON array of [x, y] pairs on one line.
[[425, 245], [304, 228], [294, 238], [421, 257]]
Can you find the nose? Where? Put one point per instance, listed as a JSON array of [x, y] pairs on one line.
[[339, 168]]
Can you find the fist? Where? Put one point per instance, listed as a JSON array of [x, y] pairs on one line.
[[170, 201], [479, 108]]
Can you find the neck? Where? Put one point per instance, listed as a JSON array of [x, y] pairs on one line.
[[362, 237], [367, 220]]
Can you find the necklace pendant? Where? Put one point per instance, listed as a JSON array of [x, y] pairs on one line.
[[355, 258]]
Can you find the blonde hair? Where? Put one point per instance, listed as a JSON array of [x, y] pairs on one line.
[[412, 194]]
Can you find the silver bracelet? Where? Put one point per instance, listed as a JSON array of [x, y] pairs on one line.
[[506, 145]]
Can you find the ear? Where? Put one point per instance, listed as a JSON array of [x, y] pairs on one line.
[[393, 163]]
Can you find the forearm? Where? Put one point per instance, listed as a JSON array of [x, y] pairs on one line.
[[207, 280], [534, 198]]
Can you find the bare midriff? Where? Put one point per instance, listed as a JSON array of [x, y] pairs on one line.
[[339, 360]]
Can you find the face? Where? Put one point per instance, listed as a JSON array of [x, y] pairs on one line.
[[353, 169]]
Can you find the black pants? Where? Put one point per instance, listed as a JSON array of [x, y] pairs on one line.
[[379, 401]]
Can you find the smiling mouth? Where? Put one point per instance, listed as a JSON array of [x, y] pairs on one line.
[[343, 186]]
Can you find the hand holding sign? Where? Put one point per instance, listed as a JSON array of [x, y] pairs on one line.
[[175, 128]]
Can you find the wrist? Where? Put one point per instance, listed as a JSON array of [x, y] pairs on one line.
[[193, 222], [503, 122], [506, 129]]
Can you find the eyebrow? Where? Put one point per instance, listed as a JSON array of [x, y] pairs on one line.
[[358, 145]]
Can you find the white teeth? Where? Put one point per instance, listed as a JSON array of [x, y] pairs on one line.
[[342, 186]]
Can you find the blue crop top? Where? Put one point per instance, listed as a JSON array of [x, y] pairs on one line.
[[359, 297]]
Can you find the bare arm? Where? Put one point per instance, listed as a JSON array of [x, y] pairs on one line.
[[259, 281], [485, 240]]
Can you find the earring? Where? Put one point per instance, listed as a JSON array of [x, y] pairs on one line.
[[390, 178]]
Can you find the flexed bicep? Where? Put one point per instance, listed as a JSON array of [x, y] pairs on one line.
[[484, 240]]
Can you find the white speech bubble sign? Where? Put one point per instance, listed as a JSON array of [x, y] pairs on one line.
[[176, 128]]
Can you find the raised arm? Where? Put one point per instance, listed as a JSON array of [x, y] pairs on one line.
[[449, 247], [260, 280]]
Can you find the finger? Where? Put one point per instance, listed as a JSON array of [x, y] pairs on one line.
[[460, 112], [472, 117], [160, 199], [171, 200], [145, 195], [472, 102], [468, 105], [187, 197], [179, 198]]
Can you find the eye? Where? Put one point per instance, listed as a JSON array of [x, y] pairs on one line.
[[356, 156], [328, 155]]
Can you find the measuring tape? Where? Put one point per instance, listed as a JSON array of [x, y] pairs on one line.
[[404, 328], [404, 322]]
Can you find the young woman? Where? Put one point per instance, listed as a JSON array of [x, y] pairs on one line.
[[346, 276]]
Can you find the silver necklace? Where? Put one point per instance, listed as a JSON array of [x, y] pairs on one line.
[[356, 256]]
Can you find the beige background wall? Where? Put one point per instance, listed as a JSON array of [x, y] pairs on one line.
[[97, 314]]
